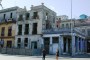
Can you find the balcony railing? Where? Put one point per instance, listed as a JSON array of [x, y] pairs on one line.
[[63, 30], [8, 20], [82, 24]]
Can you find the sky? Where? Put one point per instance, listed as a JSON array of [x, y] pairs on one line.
[[61, 7]]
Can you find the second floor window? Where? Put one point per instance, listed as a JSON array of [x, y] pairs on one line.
[[35, 15], [11, 15], [67, 25], [10, 31], [20, 17], [27, 16], [62, 25], [34, 31], [19, 29], [46, 18], [4, 16], [26, 29], [88, 31], [2, 31]]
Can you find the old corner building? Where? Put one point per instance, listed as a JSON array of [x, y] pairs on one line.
[[35, 29], [7, 27], [40, 28]]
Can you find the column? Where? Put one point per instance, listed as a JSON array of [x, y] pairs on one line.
[[61, 44], [16, 33], [85, 46], [80, 45], [67, 45], [23, 28], [42, 43], [16, 42], [51, 47], [16, 29], [77, 44], [29, 43], [22, 42], [73, 45]]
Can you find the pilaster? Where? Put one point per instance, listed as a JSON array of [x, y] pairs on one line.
[[73, 45], [61, 44]]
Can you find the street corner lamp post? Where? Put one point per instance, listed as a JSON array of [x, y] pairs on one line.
[[71, 18], [71, 30]]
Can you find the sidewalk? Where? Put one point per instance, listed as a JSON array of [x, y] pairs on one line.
[[53, 56], [82, 56], [67, 56]]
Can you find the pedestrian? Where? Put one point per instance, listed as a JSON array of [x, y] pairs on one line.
[[44, 54], [57, 54]]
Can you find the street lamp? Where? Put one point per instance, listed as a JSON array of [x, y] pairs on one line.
[[71, 30], [71, 18]]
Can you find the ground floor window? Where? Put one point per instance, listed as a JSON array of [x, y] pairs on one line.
[[9, 44], [55, 39], [34, 45], [19, 42], [26, 42]]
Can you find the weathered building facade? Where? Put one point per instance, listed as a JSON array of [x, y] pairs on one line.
[[8, 26], [35, 29], [84, 26], [30, 25]]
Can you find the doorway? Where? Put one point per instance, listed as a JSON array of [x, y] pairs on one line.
[[67, 45], [46, 44]]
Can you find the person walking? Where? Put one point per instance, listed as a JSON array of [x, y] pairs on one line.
[[57, 54], [44, 53]]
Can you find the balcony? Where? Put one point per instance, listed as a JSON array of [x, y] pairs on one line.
[[63, 30], [20, 19], [35, 17], [8, 20]]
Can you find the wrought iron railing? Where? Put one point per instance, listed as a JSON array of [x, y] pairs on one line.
[[62, 30]]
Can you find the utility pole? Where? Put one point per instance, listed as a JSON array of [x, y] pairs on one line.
[[71, 19]]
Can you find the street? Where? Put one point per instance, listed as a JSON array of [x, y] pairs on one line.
[[22, 57]]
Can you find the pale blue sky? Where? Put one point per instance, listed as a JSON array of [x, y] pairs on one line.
[[61, 7]]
